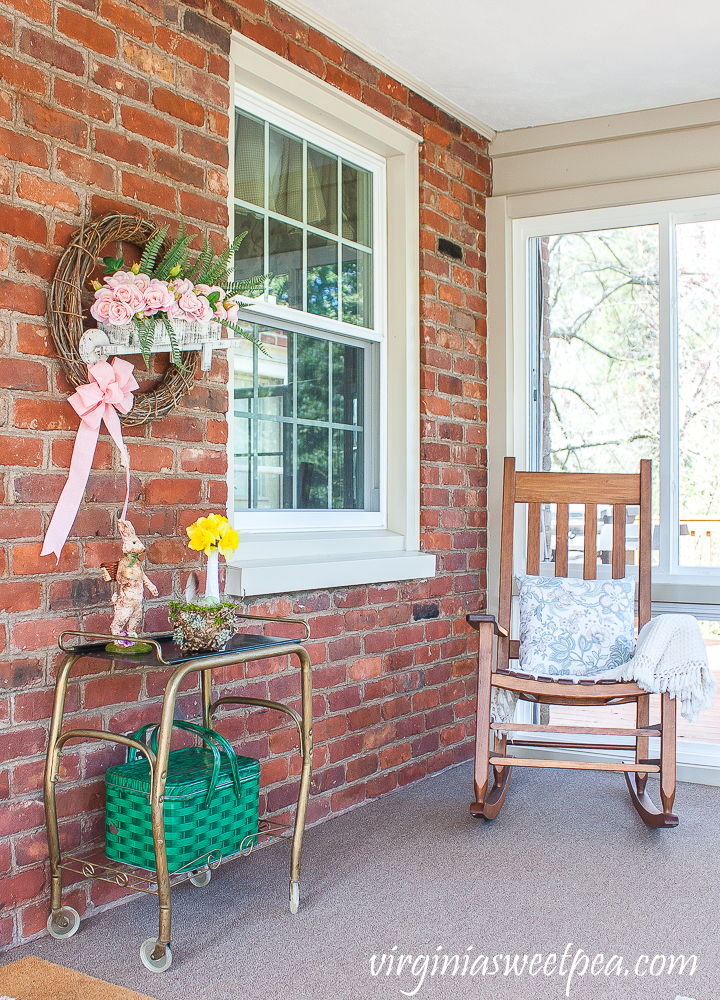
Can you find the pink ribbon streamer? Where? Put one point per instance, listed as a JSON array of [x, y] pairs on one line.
[[110, 390]]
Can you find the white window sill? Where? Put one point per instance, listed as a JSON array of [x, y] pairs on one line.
[[287, 562]]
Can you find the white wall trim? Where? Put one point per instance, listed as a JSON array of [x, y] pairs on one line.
[[348, 41], [284, 83], [674, 118]]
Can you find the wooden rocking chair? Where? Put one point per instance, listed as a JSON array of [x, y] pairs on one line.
[[562, 489]]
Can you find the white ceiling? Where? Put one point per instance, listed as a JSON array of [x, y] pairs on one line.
[[515, 63]]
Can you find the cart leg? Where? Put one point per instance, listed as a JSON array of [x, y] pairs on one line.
[[157, 814], [206, 691], [304, 791], [59, 919]]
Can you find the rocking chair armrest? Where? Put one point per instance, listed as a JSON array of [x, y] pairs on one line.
[[475, 621]]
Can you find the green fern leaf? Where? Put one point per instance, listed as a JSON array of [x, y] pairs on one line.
[[251, 287], [201, 262], [152, 249], [174, 348], [146, 336], [173, 258], [244, 333], [221, 267]]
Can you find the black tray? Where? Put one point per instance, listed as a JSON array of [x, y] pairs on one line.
[[171, 653]]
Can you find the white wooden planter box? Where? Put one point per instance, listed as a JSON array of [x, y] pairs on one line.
[[109, 340]]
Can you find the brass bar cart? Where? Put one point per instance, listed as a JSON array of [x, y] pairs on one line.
[[89, 860]]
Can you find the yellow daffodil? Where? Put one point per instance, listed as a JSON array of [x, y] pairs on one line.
[[212, 533], [201, 540], [229, 542]]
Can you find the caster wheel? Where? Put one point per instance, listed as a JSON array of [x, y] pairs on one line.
[[68, 917], [161, 964], [201, 877], [294, 896]]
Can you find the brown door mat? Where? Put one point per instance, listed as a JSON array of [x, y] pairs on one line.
[[36, 979]]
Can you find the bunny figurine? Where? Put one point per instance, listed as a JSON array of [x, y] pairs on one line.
[[130, 580]]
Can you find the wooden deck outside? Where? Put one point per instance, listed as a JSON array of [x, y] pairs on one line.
[[705, 730]]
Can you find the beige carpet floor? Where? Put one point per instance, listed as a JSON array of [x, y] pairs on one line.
[[567, 866], [35, 979]]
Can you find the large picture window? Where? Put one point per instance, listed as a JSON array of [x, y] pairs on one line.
[[624, 339], [619, 344]]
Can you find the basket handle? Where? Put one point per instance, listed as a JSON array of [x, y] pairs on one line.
[[210, 737], [203, 733], [132, 754]]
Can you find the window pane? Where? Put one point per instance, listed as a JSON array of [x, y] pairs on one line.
[[322, 193], [357, 205], [249, 259], [312, 377], [348, 375], [263, 439], [698, 287], [599, 366], [357, 287], [286, 176], [249, 159], [312, 470], [293, 449], [285, 263], [347, 470], [322, 276]]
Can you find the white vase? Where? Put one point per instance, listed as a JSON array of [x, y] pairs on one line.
[[212, 578]]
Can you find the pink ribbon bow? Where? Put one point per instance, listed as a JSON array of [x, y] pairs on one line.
[[110, 390]]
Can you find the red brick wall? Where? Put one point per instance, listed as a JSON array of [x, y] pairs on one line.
[[107, 104]]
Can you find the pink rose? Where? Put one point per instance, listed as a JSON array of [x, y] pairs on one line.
[[207, 291], [131, 295], [181, 286], [157, 297], [100, 309], [192, 307], [127, 278], [231, 310], [119, 313]]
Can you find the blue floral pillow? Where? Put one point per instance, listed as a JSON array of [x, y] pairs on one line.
[[575, 628]]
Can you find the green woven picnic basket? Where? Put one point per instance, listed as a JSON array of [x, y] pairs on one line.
[[211, 802]]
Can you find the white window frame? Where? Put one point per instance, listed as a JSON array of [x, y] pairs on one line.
[[697, 588], [299, 321], [284, 554]]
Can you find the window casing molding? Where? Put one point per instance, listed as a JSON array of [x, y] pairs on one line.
[[672, 584], [313, 552]]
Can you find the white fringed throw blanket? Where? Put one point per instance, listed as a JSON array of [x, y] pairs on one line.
[[669, 656]]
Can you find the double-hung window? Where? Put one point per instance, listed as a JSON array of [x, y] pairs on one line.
[[307, 415], [324, 449]]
